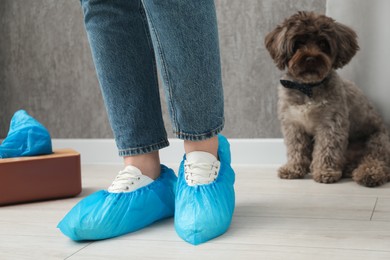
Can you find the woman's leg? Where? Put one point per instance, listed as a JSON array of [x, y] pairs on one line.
[[185, 37], [123, 54]]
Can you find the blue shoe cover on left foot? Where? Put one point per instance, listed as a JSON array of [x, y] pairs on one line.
[[104, 215], [26, 137], [204, 212]]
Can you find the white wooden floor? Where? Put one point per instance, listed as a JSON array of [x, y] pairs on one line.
[[274, 219]]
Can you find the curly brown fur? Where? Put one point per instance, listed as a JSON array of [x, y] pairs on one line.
[[336, 132]]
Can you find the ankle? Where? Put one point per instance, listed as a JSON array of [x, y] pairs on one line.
[[209, 146], [148, 164]]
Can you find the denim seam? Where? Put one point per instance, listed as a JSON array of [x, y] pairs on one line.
[[198, 137], [145, 23], [143, 149], [164, 67]]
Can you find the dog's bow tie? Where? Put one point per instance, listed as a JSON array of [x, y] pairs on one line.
[[306, 89]]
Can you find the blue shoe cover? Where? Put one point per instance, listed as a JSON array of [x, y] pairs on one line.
[[26, 137], [104, 215], [204, 212]]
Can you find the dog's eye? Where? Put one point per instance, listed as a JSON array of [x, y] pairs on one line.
[[298, 44], [324, 46]]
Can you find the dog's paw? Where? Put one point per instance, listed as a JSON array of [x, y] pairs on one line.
[[290, 171], [327, 176], [371, 174]]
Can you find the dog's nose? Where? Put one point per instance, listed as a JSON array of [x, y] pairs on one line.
[[310, 60]]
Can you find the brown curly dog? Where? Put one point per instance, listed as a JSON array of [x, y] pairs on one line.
[[329, 126]]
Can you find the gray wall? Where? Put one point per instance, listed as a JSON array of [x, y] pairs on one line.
[[46, 67], [370, 67]]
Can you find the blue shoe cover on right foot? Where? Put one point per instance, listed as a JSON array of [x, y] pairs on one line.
[[204, 212], [104, 215]]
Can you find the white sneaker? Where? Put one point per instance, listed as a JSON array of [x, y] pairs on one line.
[[200, 168], [128, 180]]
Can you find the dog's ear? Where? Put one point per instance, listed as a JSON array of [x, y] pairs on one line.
[[347, 45], [275, 42]]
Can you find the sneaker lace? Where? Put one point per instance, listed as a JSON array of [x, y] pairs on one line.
[[123, 181], [201, 173]]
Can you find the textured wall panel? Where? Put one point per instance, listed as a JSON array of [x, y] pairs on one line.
[[46, 67]]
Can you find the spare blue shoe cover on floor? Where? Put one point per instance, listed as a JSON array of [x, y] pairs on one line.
[[203, 212], [26, 137], [104, 215]]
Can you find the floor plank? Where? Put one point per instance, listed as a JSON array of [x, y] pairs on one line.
[[382, 210], [18, 247], [122, 249], [305, 206]]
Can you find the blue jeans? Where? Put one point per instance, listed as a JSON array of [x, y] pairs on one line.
[[127, 37]]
